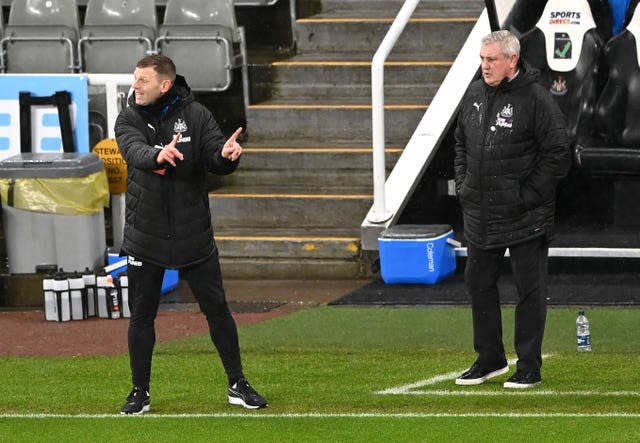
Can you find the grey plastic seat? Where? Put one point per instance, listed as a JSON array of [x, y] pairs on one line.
[[41, 36], [204, 41], [116, 34]]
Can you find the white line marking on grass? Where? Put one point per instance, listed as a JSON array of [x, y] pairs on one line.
[[408, 389], [322, 415], [413, 389], [549, 393]]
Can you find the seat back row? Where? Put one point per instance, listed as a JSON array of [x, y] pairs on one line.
[[201, 36], [595, 84]]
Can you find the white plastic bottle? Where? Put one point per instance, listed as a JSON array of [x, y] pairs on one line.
[[61, 291], [113, 298], [90, 287], [582, 333], [78, 297], [101, 291], [50, 304], [124, 293]]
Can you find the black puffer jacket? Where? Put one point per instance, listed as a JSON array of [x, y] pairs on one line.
[[168, 220], [511, 150]]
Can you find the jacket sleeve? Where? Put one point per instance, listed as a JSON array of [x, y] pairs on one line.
[[460, 160], [132, 142], [554, 159], [212, 141]]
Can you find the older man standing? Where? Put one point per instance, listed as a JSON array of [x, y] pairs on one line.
[[511, 150]]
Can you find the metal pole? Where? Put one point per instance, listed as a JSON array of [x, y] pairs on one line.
[[379, 213], [111, 83]]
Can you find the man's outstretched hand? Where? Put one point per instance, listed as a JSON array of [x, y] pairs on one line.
[[232, 149], [169, 153]]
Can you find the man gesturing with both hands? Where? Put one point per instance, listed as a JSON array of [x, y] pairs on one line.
[[170, 143]]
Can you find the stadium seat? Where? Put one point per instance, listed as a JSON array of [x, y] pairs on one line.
[[615, 149], [41, 36], [566, 47], [204, 41], [116, 34]]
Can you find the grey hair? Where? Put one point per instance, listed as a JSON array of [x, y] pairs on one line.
[[509, 43]]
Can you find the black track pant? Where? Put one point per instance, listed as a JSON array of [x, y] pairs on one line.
[[205, 281], [529, 266]]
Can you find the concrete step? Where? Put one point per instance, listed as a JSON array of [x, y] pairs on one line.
[[264, 209], [303, 246], [294, 208], [306, 269], [334, 168], [390, 8], [331, 123], [341, 77], [441, 36], [285, 252]]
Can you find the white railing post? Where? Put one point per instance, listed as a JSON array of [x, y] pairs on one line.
[[379, 212], [111, 83]]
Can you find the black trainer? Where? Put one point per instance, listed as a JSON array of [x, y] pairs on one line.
[[138, 402], [479, 374], [242, 394], [523, 379]]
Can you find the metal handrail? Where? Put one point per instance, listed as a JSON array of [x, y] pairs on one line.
[[61, 38], [379, 212], [255, 3]]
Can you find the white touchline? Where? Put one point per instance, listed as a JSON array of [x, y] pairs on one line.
[[307, 415], [413, 389], [519, 393], [407, 389]]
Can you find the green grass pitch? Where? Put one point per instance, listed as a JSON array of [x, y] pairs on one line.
[[343, 374]]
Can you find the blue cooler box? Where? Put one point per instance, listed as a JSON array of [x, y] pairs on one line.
[[416, 254], [169, 281]]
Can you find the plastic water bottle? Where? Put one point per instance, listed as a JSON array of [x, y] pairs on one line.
[[582, 333], [61, 291], [90, 287], [124, 292], [78, 296], [113, 302], [101, 295], [50, 304]]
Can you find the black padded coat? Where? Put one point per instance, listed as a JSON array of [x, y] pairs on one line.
[[511, 149], [167, 218]]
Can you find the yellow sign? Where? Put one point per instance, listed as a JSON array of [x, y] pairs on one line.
[[114, 164]]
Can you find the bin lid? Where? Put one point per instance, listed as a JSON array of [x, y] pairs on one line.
[[50, 165], [415, 231]]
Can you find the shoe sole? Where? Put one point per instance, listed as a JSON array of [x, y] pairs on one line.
[[478, 381], [512, 385], [145, 408], [240, 402]]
